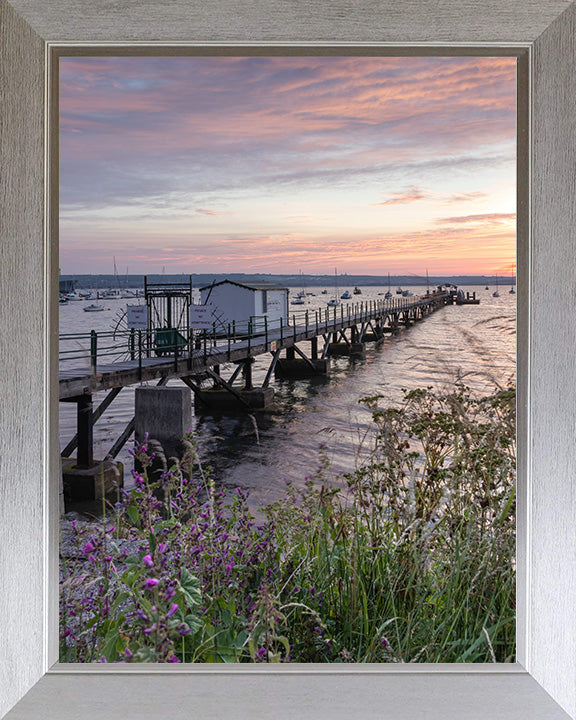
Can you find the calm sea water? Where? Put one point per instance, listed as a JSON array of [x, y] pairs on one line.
[[473, 343]]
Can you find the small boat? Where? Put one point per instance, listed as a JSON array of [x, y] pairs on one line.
[[388, 293], [73, 296], [407, 293], [512, 291], [63, 300], [496, 293], [399, 291], [324, 292], [357, 291], [486, 288], [345, 295], [333, 302], [93, 308], [298, 301]]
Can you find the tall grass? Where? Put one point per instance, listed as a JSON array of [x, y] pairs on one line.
[[411, 560]]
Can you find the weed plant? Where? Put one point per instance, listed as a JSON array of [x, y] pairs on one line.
[[410, 560]]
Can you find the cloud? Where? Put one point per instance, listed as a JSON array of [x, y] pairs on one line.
[[486, 219], [465, 197], [412, 194]]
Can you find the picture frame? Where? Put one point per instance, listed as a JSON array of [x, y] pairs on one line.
[[543, 682]]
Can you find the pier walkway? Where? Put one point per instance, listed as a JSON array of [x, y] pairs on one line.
[[109, 361], [119, 359]]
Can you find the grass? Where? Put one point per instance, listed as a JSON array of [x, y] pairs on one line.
[[410, 560]]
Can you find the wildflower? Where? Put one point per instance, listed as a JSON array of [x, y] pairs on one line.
[[173, 659], [128, 653], [260, 655], [88, 548], [149, 583], [172, 610], [147, 560]]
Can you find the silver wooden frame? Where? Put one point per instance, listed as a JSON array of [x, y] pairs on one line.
[[542, 685]]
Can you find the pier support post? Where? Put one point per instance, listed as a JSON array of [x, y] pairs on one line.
[[165, 413], [85, 453], [247, 373], [314, 348]]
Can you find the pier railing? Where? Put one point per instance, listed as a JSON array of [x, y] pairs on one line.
[[95, 348]]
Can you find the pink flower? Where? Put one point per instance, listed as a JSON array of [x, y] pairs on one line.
[[149, 583], [147, 560]]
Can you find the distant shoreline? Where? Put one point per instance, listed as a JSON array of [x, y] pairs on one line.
[[199, 280]]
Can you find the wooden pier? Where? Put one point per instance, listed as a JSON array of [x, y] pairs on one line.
[[118, 360]]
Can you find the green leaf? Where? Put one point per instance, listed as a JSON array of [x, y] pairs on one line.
[[190, 586], [152, 542]]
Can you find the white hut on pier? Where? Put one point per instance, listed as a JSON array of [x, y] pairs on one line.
[[239, 302]]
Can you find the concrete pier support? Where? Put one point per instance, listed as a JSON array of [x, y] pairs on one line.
[[353, 349], [220, 400], [298, 368], [82, 484], [165, 413]]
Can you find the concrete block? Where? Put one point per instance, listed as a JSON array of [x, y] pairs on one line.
[[80, 484], [165, 413], [299, 368], [219, 400]]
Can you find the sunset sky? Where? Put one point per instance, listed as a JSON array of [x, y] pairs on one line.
[[288, 164]]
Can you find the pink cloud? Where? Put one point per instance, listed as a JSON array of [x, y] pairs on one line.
[[406, 197], [487, 218]]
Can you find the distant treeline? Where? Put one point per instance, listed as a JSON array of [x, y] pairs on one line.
[[295, 280]]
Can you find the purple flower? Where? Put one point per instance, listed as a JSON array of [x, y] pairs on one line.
[[128, 654], [162, 547], [149, 583], [173, 659], [260, 655], [147, 560], [172, 610], [88, 547]]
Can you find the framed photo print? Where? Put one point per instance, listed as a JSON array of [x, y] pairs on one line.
[[417, 158]]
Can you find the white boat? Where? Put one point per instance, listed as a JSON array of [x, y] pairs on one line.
[[93, 308], [334, 302], [298, 301], [407, 293], [388, 294], [74, 296], [496, 293]]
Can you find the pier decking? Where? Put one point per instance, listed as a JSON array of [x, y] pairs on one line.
[[116, 360], [237, 344]]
